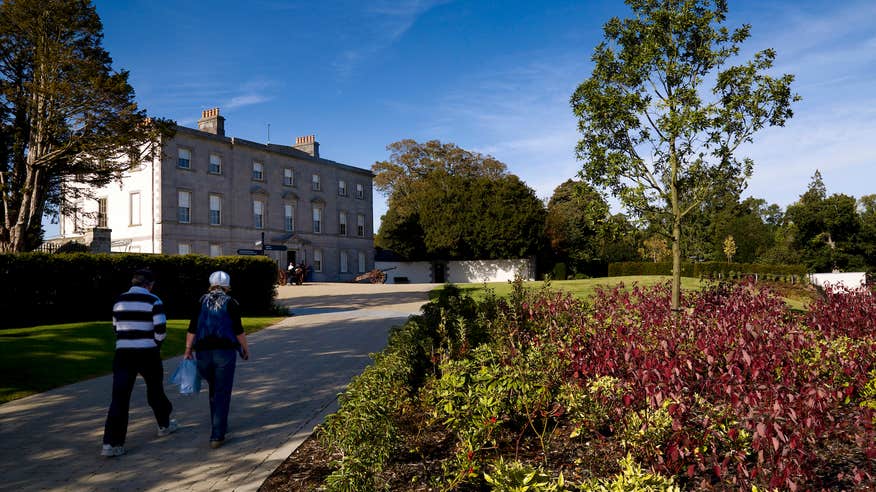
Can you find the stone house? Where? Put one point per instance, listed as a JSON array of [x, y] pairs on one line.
[[206, 193]]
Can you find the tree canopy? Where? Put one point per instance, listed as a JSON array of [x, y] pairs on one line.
[[66, 116], [652, 131], [450, 203], [826, 228], [578, 224]]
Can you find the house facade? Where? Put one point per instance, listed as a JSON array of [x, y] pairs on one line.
[[205, 193]]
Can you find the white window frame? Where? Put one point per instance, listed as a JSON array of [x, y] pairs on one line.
[[258, 214], [102, 210], [360, 225], [342, 223], [215, 203], [289, 217], [215, 249], [360, 192], [342, 187], [184, 206], [134, 217], [317, 219], [184, 162], [317, 260], [315, 182], [343, 263], [184, 248], [288, 177], [258, 171], [215, 165]]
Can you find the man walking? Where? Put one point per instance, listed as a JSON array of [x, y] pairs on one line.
[[140, 326]]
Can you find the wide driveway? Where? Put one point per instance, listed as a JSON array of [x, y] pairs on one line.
[[51, 441]]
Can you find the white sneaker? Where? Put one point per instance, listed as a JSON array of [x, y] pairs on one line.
[[172, 426], [110, 451]]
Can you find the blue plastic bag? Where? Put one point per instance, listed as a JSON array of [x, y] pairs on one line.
[[187, 377]]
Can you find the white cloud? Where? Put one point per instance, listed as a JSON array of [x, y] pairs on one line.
[[245, 100], [383, 22]]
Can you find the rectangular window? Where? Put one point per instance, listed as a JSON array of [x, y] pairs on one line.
[[184, 207], [288, 218], [343, 263], [215, 250], [215, 210], [342, 224], [342, 188], [360, 225], [315, 183], [317, 220], [258, 171], [215, 164], [317, 260], [288, 177], [361, 262], [258, 214], [184, 158], [101, 212], [184, 248], [360, 191], [134, 199], [77, 217]]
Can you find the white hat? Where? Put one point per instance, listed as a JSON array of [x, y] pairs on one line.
[[220, 278]]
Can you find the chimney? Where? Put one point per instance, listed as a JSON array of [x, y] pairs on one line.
[[211, 122], [308, 144]]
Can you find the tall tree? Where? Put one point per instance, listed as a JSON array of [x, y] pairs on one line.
[[449, 203], [652, 131], [66, 116], [577, 222], [826, 228]]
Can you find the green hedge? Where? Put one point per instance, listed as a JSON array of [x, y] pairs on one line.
[[713, 270], [40, 288]]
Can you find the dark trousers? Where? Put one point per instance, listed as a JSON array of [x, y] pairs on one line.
[[217, 368], [127, 363]]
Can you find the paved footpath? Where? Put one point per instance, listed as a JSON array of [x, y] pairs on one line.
[[51, 441]]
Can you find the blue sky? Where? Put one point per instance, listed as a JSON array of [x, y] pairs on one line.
[[490, 76]]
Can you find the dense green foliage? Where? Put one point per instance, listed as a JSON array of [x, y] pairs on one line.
[[714, 270], [66, 116], [653, 132], [40, 288], [540, 391], [40, 358], [449, 203]]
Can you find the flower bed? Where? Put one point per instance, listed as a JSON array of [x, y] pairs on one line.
[[548, 392]]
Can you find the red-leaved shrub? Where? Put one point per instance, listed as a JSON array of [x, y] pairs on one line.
[[757, 395]]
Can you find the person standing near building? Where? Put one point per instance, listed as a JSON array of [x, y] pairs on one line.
[[216, 336], [140, 326]]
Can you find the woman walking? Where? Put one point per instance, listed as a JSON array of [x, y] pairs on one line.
[[216, 336]]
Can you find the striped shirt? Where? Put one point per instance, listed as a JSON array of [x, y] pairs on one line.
[[139, 320]]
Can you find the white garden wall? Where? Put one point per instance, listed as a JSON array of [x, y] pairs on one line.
[[846, 280], [460, 272], [478, 271]]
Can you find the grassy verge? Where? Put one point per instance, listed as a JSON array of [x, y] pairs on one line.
[[797, 298], [40, 358], [579, 288]]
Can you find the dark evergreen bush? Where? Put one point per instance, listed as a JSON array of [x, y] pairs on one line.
[[40, 288]]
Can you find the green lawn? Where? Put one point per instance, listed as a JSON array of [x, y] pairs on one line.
[[579, 288], [583, 289], [40, 358]]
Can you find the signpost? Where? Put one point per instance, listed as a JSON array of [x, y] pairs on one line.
[[275, 247], [249, 252]]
